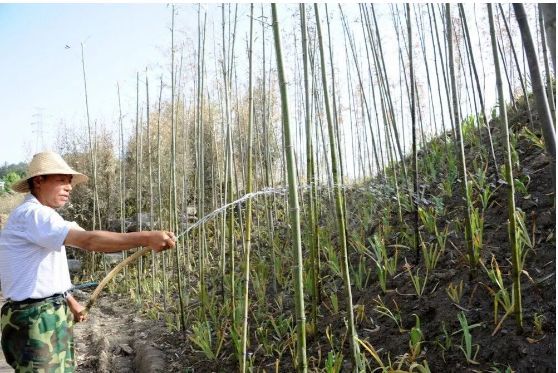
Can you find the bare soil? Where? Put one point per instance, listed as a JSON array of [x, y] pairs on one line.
[[117, 338]]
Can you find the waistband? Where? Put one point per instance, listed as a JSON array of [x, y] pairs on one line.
[[52, 298]]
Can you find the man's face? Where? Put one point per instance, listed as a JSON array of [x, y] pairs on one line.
[[53, 190]]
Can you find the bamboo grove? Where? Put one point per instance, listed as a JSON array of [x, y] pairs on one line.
[[302, 108]]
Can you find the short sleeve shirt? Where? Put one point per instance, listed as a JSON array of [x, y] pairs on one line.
[[33, 260]]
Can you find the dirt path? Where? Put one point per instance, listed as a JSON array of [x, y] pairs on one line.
[[115, 338]]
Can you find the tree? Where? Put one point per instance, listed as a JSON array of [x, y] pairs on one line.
[[10, 178]]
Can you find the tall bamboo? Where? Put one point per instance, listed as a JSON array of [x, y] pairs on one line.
[[460, 145], [414, 134], [388, 92], [229, 175], [150, 170], [294, 208], [173, 204], [549, 13], [516, 274], [518, 66], [121, 173], [479, 91], [310, 175], [201, 155], [249, 183], [339, 204], [160, 197], [91, 158], [138, 186], [547, 73], [268, 171], [545, 116]]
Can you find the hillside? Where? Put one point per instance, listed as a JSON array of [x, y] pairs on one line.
[[389, 320]]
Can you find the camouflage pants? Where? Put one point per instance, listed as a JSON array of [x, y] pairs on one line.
[[38, 337]]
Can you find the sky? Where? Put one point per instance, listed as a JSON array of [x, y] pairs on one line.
[[42, 77]]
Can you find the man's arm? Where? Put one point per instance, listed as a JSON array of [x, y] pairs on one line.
[[109, 242]]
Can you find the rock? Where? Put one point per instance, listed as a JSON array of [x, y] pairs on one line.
[[112, 258], [148, 358], [126, 349], [74, 265]]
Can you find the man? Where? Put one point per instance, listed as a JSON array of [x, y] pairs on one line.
[[37, 319]]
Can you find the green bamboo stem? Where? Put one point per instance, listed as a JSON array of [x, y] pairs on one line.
[[121, 172], [545, 116], [229, 177], [138, 184], [479, 90], [249, 182], [160, 197], [150, 170], [549, 92], [91, 157], [294, 208], [460, 145], [339, 205], [172, 199], [312, 226], [509, 178]]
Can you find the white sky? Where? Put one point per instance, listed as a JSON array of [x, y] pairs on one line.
[[41, 65]]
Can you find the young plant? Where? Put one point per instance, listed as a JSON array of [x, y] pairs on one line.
[[385, 265], [467, 340], [532, 137], [334, 362], [202, 338], [477, 230], [333, 260], [445, 341], [361, 274], [415, 339], [455, 292], [432, 252], [524, 242], [501, 296], [395, 315], [419, 283], [334, 302], [538, 321]]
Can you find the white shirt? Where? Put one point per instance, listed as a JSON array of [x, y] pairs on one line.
[[33, 260]]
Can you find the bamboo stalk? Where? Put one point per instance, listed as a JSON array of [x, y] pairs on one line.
[[173, 204], [479, 91], [293, 200], [91, 157], [545, 116], [549, 93], [249, 183], [339, 205], [460, 145]]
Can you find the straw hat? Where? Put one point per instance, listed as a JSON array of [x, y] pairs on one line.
[[47, 163]]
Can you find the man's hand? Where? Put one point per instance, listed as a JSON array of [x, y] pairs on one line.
[[76, 309], [161, 240]]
